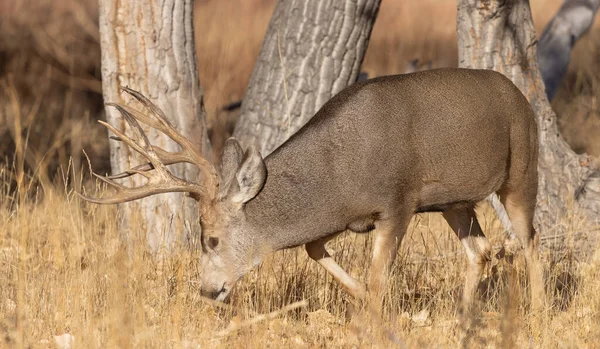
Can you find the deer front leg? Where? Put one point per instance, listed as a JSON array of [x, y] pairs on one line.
[[388, 235], [316, 250]]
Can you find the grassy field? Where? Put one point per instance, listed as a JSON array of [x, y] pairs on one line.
[[65, 272]]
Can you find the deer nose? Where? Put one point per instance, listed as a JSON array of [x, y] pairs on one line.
[[213, 294]]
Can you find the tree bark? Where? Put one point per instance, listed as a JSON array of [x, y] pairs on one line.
[[149, 46], [500, 35], [312, 50], [571, 22]]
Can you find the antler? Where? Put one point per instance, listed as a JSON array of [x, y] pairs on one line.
[[160, 179]]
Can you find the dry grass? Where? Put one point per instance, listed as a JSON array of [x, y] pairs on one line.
[[49, 83], [65, 271]]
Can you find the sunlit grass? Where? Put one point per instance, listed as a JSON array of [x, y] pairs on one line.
[[66, 271]]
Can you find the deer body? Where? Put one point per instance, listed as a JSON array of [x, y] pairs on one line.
[[375, 154], [387, 144]]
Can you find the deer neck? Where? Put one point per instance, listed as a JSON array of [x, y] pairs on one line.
[[287, 212], [268, 221]]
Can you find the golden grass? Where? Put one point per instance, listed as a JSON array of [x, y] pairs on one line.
[[65, 271]]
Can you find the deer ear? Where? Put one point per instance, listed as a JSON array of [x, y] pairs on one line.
[[250, 177], [231, 157]]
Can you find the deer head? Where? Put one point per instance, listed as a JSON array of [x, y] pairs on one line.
[[229, 250]]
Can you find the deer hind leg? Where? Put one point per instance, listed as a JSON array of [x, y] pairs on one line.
[[316, 250], [463, 221], [520, 206]]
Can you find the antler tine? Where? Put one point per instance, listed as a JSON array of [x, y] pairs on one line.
[[123, 138], [138, 115], [109, 181], [159, 181], [188, 149], [165, 157], [148, 104], [159, 178], [125, 194], [146, 150], [134, 170]]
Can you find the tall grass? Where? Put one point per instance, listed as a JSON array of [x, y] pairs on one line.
[[65, 271]]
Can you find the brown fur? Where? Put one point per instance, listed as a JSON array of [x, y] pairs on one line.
[[376, 153], [384, 149], [416, 142]]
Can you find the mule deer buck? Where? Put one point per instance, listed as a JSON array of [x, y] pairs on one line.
[[375, 154]]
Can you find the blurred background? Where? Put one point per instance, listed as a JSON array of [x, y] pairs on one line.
[[50, 81]]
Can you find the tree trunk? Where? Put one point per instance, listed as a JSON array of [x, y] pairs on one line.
[[312, 50], [149, 46], [500, 35], [571, 22]]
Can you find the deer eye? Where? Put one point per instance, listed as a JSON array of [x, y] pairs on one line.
[[212, 243]]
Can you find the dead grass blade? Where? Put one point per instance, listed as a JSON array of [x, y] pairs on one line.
[[235, 326]]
